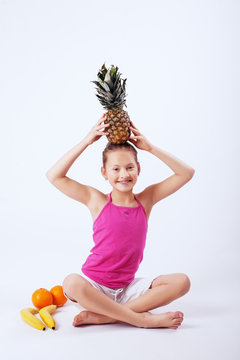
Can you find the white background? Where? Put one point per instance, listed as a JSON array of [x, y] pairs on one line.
[[181, 60]]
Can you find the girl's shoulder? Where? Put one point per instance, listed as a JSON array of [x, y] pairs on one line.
[[144, 199], [97, 202]]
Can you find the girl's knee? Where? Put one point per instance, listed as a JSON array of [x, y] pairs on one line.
[[71, 281], [185, 283]]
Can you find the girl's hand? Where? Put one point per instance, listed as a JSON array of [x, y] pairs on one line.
[[95, 133], [141, 141]]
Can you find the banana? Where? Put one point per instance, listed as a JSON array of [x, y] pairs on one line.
[[46, 317], [27, 315]]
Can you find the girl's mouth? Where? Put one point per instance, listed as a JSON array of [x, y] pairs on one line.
[[124, 182]]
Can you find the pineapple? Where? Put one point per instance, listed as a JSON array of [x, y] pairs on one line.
[[112, 96]]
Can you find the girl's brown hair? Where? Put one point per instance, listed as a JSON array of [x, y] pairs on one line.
[[113, 147]]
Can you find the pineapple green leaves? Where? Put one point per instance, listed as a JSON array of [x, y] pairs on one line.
[[110, 89]]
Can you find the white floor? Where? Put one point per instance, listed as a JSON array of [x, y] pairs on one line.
[[210, 330]]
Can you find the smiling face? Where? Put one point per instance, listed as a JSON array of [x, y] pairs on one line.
[[121, 169]]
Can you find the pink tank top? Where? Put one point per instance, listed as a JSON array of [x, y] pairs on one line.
[[119, 234]]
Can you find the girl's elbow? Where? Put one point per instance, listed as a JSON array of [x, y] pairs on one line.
[[191, 172]]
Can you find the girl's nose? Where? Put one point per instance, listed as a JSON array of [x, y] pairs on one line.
[[123, 173]]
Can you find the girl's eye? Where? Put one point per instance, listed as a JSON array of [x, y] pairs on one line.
[[130, 167]]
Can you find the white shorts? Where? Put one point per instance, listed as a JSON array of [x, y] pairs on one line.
[[137, 287]]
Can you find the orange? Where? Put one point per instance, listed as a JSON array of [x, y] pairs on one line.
[[59, 298], [41, 298]]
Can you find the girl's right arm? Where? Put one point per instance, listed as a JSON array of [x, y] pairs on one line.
[[57, 174]]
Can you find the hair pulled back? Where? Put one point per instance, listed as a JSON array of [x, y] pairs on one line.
[[113, 147]]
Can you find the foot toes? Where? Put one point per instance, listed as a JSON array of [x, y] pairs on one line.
[[177, 321], [179, 314]]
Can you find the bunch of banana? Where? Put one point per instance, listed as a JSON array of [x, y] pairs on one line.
[[28, 316]]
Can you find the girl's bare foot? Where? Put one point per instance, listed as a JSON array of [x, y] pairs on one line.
[[169, 319], [89, 317]]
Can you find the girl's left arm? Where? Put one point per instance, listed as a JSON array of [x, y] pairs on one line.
[[182, 172], [177, 165]]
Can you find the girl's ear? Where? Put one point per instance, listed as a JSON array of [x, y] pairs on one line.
[[103, 171], [139, 168]]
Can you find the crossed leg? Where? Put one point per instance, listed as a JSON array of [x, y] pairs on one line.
[[163, 290]]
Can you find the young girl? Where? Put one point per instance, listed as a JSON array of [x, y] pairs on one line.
[[107, 287]]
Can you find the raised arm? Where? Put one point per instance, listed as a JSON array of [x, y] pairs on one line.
[[60, 169], [183, 172], [178, 166], [57, 173]]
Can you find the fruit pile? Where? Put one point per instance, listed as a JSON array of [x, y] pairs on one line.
[[45, 302]]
